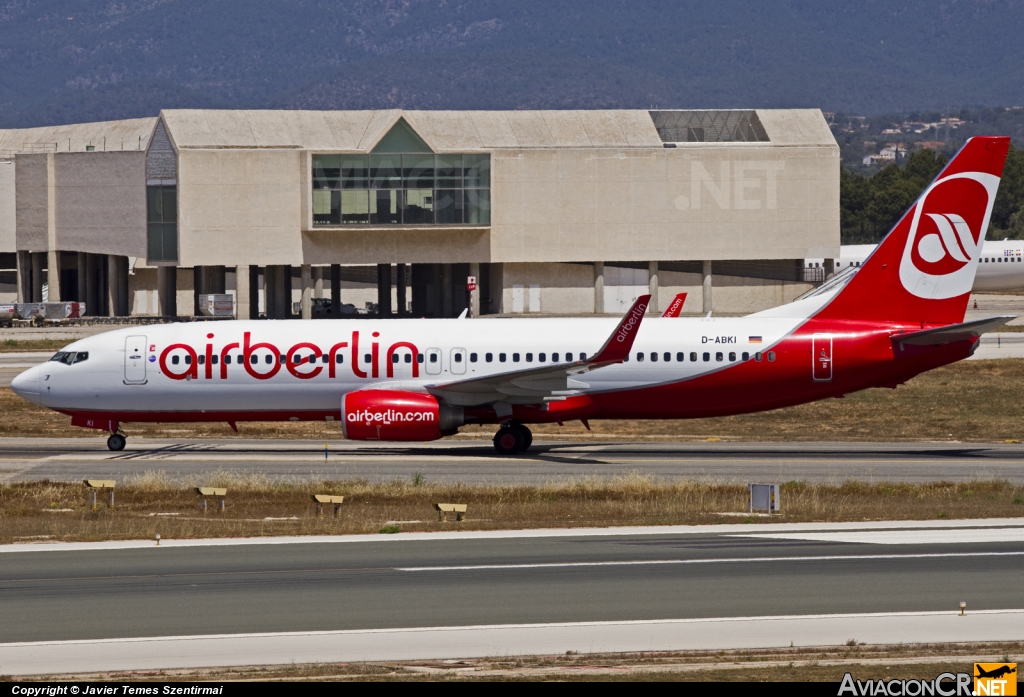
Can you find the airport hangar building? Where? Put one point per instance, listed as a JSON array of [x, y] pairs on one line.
[[554, 212]]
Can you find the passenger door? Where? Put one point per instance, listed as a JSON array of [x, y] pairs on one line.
[[135, 360], [821, 355]]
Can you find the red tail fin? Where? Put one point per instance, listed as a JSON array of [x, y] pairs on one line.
[[924, 268]]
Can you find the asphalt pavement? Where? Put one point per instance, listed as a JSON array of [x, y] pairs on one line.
[[475, 462], [757, 575]]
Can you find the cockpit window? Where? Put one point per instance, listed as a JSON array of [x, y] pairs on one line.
[[70, 357]]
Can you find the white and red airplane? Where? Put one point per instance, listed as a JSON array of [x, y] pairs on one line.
[[901, 313]]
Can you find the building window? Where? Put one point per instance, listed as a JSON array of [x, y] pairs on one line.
[[715, 126], [401, 189], [162, 223]]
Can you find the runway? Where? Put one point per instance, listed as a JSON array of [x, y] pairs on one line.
[[475, 462], [493, 593]]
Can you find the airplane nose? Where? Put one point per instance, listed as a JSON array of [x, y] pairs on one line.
[[27, 383]]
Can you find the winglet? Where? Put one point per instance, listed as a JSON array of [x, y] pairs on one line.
[[676, 306], [619, 344]]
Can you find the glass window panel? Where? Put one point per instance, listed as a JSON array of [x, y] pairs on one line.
[[154, 204], [385, 171], [418, 207], [355, 172], [326, 207], [477, 170], [170, 235], [418, 171], [170, 204], [478, 206], [326, 171], [448, 171], [384, 207], [448, 206], [155, 242], [355, 207]]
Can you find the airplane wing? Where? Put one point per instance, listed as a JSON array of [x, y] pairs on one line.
[[954, 332], [676, 306], [549, 382]]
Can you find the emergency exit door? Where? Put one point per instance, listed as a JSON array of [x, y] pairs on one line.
[[821, 355], [135, 360]]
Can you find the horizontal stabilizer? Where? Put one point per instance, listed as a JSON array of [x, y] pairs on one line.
[[954, 332]]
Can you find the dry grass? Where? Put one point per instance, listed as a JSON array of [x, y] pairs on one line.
[[824, 664], [18, 345], [258, 506], [968, 401]]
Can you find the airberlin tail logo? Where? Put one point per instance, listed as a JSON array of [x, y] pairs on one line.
[[947, 230]]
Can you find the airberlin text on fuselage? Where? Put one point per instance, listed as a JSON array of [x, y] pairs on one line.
[[297, 359]]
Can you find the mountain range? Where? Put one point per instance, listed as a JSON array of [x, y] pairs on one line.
[[67, 61]]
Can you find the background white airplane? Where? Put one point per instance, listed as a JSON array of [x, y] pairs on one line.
[[1001, 266]]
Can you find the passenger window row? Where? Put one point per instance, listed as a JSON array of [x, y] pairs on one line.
[[705, 356], [680, 357]]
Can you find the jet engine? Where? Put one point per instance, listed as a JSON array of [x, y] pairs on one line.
[[397, 416]]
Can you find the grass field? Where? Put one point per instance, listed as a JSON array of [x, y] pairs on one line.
[[151, 503], [967, 401], [21, 345], [825, 664]]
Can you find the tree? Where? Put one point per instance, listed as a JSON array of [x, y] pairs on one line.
[[1007, 216], [869, 208]]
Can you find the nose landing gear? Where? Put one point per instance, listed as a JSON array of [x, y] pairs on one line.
[[512, 438], [116, 442]]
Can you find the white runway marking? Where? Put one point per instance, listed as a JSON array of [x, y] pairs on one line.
[[903, 537], [425, 643], [723, 560], [738, 530]]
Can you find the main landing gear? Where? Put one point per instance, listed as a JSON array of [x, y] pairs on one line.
[[116, 442], [512, 438]]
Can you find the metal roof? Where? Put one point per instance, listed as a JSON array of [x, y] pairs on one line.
[[444, 131], [451, 131], [127, 134]]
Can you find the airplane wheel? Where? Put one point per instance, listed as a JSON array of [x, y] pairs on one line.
[[116, 442], [508, 441], [526, 434]]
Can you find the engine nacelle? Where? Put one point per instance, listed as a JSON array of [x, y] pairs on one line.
[[397, 416]]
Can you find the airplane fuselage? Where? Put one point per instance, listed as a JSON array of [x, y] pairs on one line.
[[299, 370]]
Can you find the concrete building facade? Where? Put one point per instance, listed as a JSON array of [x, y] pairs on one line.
[[553, 212]]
